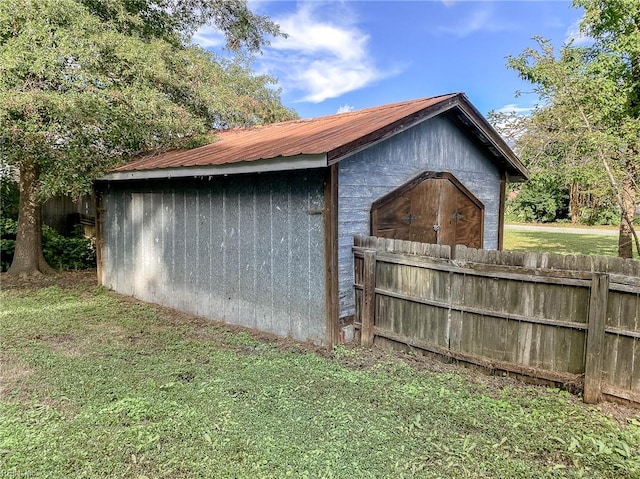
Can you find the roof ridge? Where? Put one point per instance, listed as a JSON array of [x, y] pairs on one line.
[[341, 115], [381, 107]]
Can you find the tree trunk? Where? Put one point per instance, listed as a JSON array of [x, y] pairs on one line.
[[28, 258], [574, 202], [628, 207]]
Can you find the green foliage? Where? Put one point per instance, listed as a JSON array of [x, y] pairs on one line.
[[561, 178], [609, 449], [9, 197], [61, 252], [545, 199], [176, 20], [603, 214], [102, 387], [64, 253], [587, 124], [86, 85], [542, 199], [8, 228]]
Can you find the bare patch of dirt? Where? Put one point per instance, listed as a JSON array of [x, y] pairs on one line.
[[620, 413], [200, 328], [65, 344], [12, 371], [63, 279]]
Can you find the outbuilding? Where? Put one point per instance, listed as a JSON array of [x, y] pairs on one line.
[[256, 228]]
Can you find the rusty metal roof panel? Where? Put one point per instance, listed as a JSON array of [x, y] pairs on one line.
[[325, 135]]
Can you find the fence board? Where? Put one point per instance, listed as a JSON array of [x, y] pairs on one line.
[[477, 335], [526, 313], [566, 336], [617, 366], [614, 310], [512, 303], [495, 329], [383, 316], [456, 317], [635, 369], [627, 345], [621, 376], [369, 300], [472, 335]]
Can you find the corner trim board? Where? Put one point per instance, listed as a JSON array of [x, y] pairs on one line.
[[331, 255]]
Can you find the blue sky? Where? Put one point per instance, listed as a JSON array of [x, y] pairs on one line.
[[343, 55]]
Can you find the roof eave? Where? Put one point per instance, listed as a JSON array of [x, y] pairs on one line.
[[516, 171], [281, 163], [392, 129]]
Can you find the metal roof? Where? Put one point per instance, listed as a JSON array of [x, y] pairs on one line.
[[317, 142]]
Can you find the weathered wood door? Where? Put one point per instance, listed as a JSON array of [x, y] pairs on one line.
[[432, 208]]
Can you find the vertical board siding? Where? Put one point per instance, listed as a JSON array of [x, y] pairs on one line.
[[191, 294], [203, 266], [246, 250], [63, 213], [263, 298], [434, 145], [546, 316], [125, 273], [178, 250]]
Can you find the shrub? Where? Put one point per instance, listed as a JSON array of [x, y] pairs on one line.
[[600, 215], [8, 228], [9, 197], [546, 198], [543, 199], [61, 252]]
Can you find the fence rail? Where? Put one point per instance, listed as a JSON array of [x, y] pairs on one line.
[[569, 319]]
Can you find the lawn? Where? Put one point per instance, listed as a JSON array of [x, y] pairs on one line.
[[98, 385], [563, 243]]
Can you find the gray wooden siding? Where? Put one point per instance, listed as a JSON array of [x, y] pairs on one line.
[[246, 250], [434, 145]]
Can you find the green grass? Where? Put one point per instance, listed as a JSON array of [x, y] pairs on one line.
[[563, 243], [98, 386]]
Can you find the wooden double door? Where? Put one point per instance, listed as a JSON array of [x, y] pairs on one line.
[[432, 208]]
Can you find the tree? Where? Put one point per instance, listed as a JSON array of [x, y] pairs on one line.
[[567, 186], [88, 84], [591, 100]]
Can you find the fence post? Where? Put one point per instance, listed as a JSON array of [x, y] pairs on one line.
[[369, 299], [595, 338]]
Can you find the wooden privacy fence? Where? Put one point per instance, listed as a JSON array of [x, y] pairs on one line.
[[568, 319]]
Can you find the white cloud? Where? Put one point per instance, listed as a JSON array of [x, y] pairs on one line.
[[513, 108], [511, 128], [321, 58], [345, 108], [576, 36], [209, 37], [480, 19], [325, 54]]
